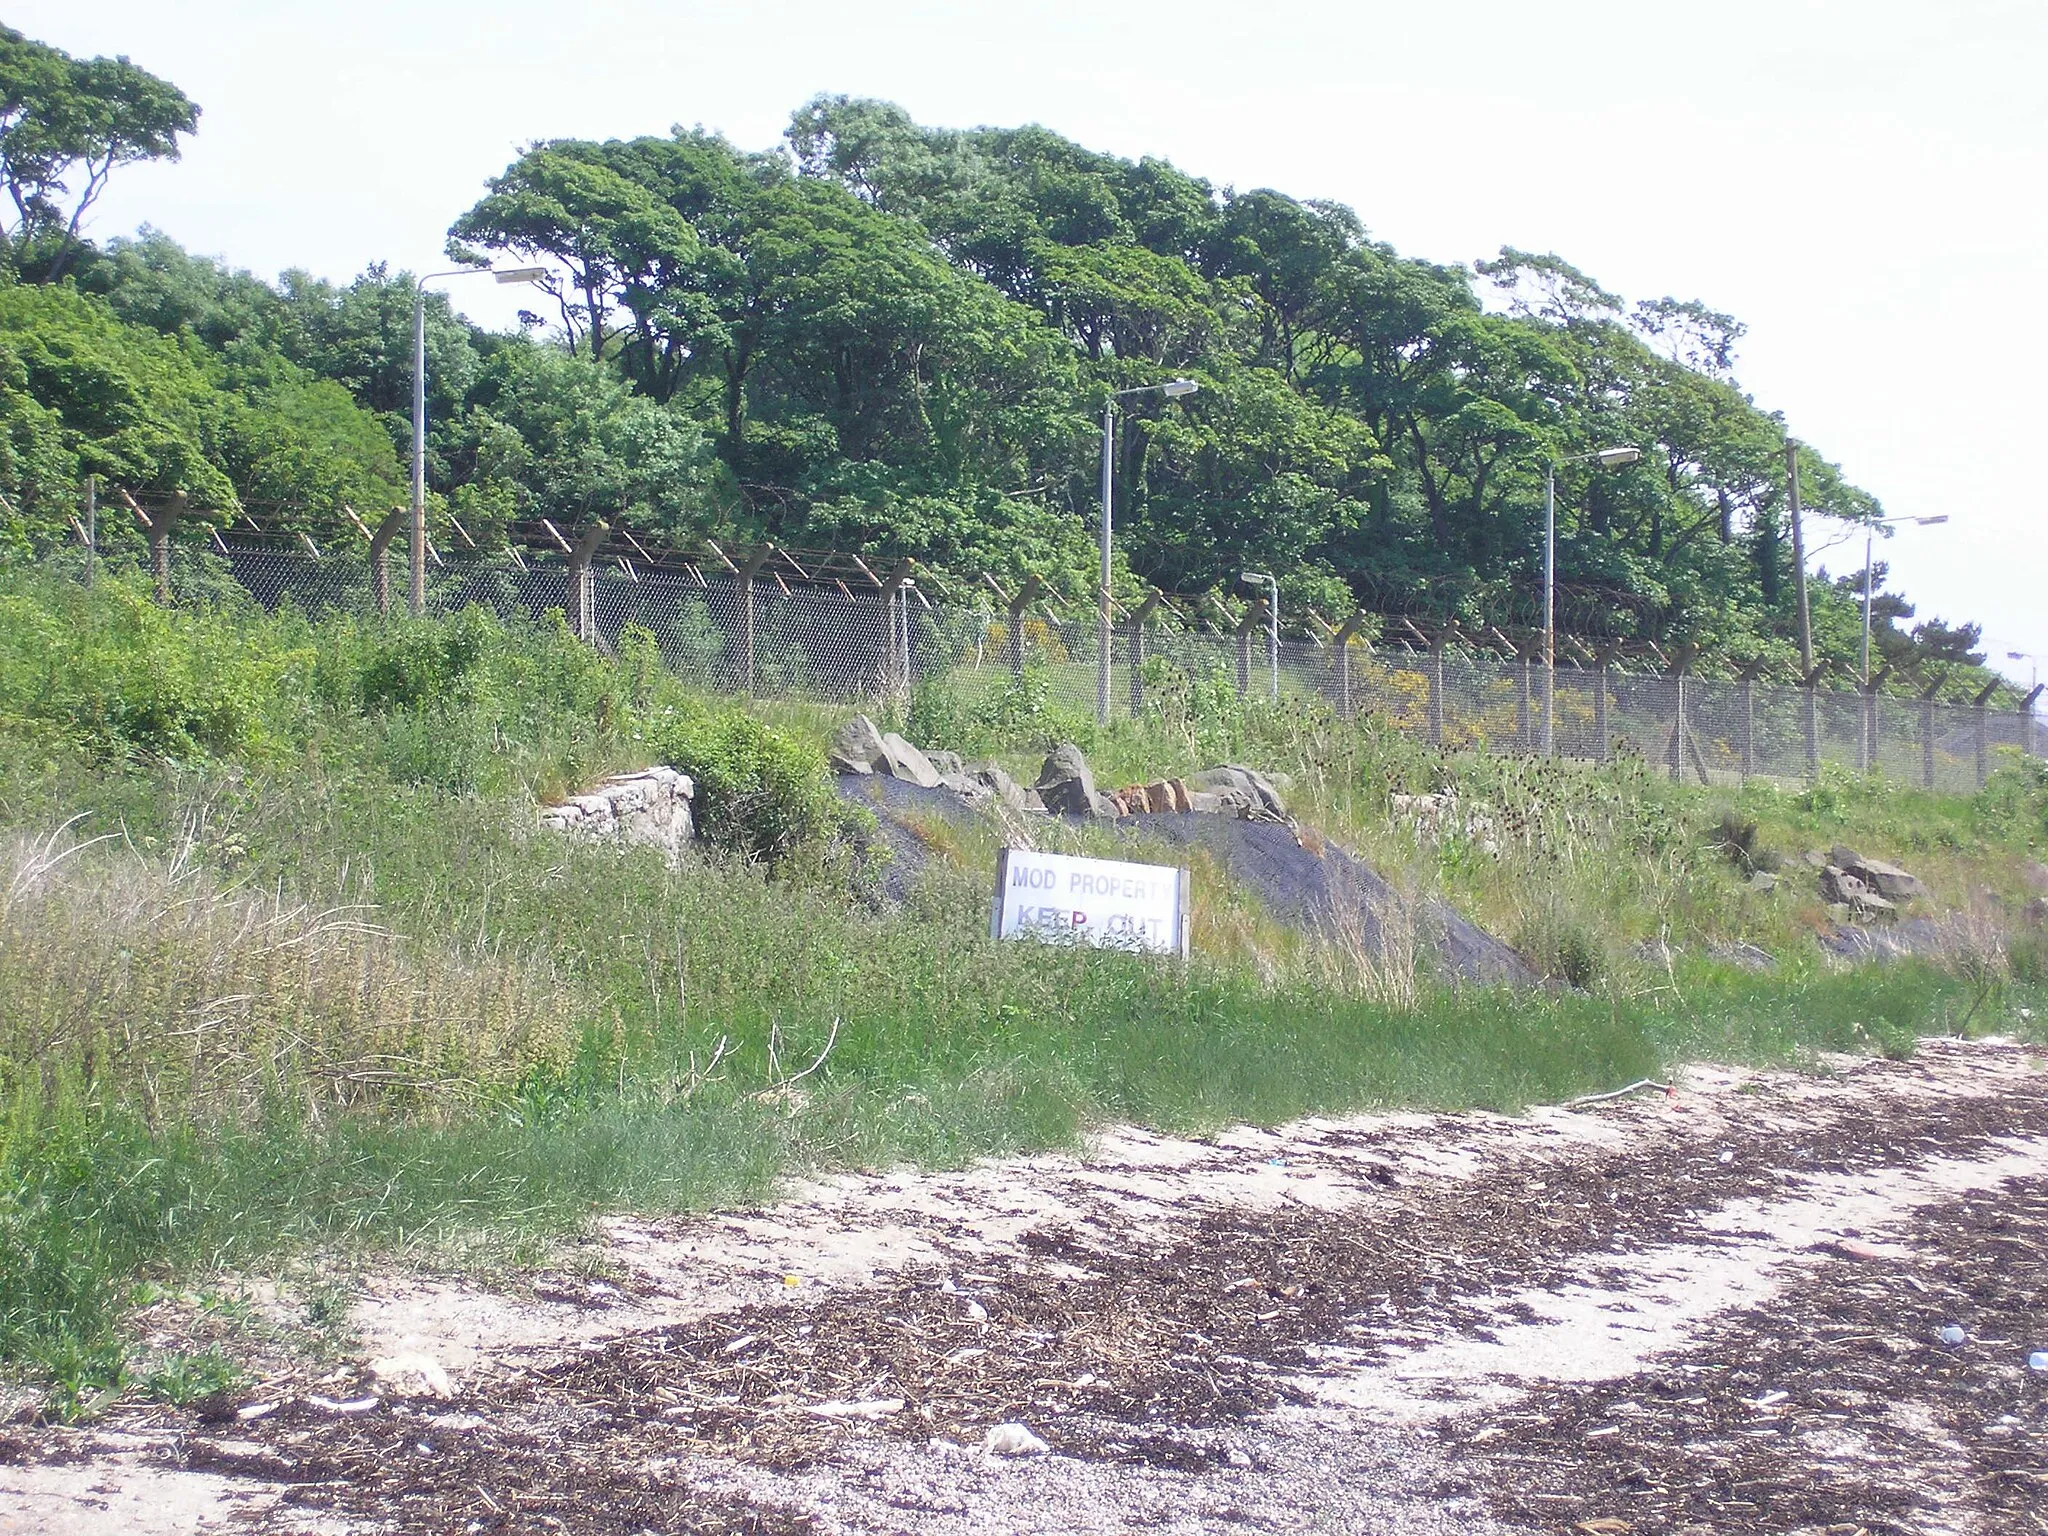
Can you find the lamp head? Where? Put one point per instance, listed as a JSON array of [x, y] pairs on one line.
[[519, 274], [1174, 388], [1618, 458]]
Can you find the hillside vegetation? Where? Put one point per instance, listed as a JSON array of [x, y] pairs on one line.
[[287, 967]]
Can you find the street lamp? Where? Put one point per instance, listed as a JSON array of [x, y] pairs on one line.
[[418, 598], [1869, 531], [1172, 389], [1619, 457], [1272, 622]]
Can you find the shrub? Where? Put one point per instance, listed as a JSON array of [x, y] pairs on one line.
[[760, 794]]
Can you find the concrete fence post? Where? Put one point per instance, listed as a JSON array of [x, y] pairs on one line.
[[2027, 719], [1809, 686], [1746, 717], [1927, 734], [380, 547], [1140, 617], [1980, 704], [1346, 633], [1436, 690], [582, 584], [157, 527]]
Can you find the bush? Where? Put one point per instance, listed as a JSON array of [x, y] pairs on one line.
[[126, 679], [760, 794]]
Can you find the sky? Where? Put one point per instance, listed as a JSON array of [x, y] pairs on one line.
[[1859, 181]]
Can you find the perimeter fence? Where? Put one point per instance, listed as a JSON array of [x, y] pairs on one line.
[[752, 630]]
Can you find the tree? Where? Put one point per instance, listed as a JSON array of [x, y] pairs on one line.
[[65, 126]]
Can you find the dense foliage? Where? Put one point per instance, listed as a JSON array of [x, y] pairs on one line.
[[893, 337]]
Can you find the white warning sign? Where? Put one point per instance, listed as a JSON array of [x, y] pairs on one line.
[[1104, 902]]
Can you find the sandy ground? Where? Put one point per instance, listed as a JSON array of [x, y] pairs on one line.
[[1713, 1309]]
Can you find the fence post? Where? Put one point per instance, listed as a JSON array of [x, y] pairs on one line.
[[89, 533], [895, 664], [1927, 733], [380, 545], [1436, 688], [1746, 699], [749, 647], [1140, 617], [156, 527], [1983, 733], [1810, 710], [582, 586], [1677, 754], [1254, 616], [1603, 741], [1866, 747], [1342, 641], [1026, 596], [2027, 719]]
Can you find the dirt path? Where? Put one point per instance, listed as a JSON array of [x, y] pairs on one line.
[[1712, 1310]]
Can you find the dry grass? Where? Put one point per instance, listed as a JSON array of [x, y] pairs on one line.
[[146, 981]]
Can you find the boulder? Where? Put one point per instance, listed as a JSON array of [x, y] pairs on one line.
[[2034, 876], [1067, 787], [972, 791], [997, 783], [857, 748], [1762, 883], [1840, 888], [651, 807], [1262, 799], [1746, 957], [2035, 913], [946, 762], [1888, 880], [900, 760]]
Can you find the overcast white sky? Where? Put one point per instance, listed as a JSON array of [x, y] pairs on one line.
[[1860, 181]]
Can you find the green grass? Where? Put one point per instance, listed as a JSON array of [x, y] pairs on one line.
[[325, 988]]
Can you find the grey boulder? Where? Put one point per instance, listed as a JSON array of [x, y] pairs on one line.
[[857, 748], [1066, 786], [1888, 880]]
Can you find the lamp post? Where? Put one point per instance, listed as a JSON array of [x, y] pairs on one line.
[[1869, 532], [1172, 389], [1608, 458], [2033, 666], [417, 601], [1272, 584]]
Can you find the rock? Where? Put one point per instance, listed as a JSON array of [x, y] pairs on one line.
[[650, 807], [900, 760], [412, 1375], [857, 747], [1888, 880], [1746, 957], [1013, 1440], [2035, 913], [1840, 888], [873, 1408], [1656, 951], [998, 783], [973, 791], [946, 762], [1763, 882], [1067, 787], [1229, 778], [2034, 876], [1815, 859], [1202, 803]]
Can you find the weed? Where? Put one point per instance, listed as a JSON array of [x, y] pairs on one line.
[[184, 1379]]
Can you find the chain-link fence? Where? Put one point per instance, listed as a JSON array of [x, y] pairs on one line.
[[836, 640]]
